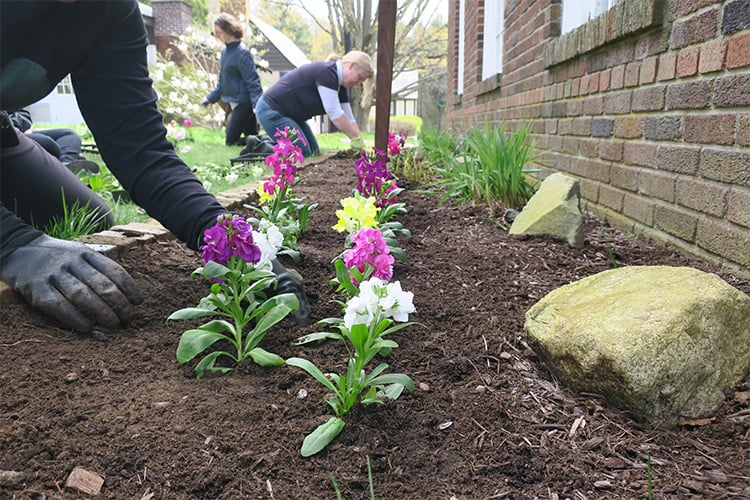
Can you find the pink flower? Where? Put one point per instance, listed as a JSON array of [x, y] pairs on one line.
[[370, 248], [187, 122]]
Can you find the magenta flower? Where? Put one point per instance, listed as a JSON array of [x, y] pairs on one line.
[[187, 122], [370, 248], [396, 142], [374, 178], [231, 236]]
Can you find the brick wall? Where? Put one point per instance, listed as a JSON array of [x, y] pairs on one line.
[[648, 105], [171, 18]]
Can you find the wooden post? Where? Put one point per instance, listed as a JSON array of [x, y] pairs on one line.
[[386, 42]]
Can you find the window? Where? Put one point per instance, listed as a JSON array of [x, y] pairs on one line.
[[494, 27], [578, 12], [64, 87], [461, 46]]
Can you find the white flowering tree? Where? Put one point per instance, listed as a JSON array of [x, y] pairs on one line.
[[181, 85]]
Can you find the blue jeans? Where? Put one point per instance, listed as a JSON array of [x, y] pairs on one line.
[[272, 120]]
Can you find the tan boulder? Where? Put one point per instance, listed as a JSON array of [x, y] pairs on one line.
[[660, 342], [553, 211]]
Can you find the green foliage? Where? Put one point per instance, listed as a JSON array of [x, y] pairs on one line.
[[238, 298], [438, 147], [490, 169], [76, 220], [406, 166]]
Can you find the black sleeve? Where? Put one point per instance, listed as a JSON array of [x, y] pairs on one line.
[[21, 119], [118, 102]]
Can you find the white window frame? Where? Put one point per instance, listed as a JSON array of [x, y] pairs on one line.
[[461, 46], [494, 28], [578, 12]]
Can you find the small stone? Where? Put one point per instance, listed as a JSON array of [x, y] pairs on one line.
[[302, 394], [71, 377], [10, 478], [480, 389], [85, 481]]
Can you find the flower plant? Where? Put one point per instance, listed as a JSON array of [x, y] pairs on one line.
[[277, 201], [369, 256], [368, 319], [238, 298]]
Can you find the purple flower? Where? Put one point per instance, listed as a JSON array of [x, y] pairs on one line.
[[230, 236]]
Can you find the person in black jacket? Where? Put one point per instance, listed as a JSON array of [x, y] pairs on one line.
[[105, 53], [239, 83], [62, 143]]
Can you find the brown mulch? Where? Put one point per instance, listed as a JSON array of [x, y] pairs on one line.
[[486, 420]]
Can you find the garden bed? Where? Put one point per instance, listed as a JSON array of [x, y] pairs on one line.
[[486, 419]]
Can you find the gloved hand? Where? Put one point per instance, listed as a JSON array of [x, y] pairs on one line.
[[358, 144], [204, 103], [291, 282], [72, 283]]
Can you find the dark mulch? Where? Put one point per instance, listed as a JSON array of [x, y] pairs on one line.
[[486, 421]]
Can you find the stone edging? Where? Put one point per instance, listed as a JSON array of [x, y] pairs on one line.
[[115, 241]]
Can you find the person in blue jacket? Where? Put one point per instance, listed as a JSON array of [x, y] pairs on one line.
[[239, 83], [316, 88], [104, 50]]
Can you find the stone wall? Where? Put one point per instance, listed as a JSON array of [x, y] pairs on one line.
[[648, 105]]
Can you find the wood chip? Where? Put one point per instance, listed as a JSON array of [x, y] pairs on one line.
[[85, 481], [696, 422]]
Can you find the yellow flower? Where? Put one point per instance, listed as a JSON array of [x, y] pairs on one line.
[[357, 213], [263, 197]]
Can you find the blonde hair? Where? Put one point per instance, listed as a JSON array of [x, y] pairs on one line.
[[363, 62]]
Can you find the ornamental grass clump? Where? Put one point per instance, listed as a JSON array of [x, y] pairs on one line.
[[368, 319], [241, 282], [491, 168], [278, 204]]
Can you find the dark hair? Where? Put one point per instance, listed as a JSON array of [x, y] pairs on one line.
[[230, 24]]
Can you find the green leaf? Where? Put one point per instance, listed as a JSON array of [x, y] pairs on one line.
[[192, 313], [313, 337], [322, 436], [265, 358], [314, 371], [392, 378], [194, 342], [392, 391], [212, 270], [207, 364]]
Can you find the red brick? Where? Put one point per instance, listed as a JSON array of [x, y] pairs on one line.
[[604, 78], [743, 130], [618, 76], [648, 70], [712, 56], [710, 129], [687, 62], [631, 74], [666, 66], [738, 51]]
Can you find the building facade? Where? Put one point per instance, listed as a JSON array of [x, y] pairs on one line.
[[646, 102]]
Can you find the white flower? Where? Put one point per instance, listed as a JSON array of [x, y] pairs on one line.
[[378, 300], [269, 240]]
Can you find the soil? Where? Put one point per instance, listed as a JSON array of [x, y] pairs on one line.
[[485, 421]]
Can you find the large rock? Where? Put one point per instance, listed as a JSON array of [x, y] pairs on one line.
[[661, 342], [553, 211]]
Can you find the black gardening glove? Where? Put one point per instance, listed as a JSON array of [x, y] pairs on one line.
[[291, 282], [72, 283]]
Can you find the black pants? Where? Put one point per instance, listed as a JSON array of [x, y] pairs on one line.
[[62, 143], [33, 183], [241, 123]]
